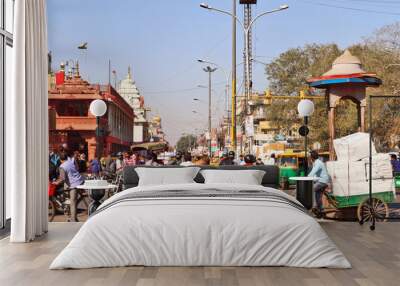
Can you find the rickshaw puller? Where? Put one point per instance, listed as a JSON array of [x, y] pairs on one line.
[[320, 173]]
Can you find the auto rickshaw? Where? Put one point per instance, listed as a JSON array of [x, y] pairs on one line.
[[292, 164]]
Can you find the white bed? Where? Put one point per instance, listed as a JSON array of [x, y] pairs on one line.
[[264, 229]]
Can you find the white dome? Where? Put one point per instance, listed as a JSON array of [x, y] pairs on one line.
[[345, 64]]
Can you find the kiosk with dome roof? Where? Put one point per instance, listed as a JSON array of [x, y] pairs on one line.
[[362, 179]]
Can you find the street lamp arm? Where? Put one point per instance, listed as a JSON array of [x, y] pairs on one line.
[[260, 62], [218, 66], [283, 7], [223, 12]]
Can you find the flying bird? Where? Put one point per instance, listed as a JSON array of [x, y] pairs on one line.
[[83, 46]]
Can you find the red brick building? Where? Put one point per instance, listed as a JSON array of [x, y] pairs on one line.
[[71, 122]]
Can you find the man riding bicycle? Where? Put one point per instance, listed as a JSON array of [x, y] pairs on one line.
[[71, 178], [320, 173]]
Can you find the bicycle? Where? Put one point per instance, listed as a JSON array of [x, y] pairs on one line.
[[59, 203]]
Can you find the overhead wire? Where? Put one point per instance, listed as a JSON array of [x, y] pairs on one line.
[[351, 8], [374, 1]]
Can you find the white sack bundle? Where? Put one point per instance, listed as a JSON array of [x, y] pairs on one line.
[[353, 147]]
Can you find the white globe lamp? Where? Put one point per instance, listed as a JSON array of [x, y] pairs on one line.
[[98, 107], [305, 107]]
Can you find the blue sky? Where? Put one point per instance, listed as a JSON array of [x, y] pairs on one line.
[[161, 40]]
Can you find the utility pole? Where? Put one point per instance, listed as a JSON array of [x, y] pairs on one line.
[[246, 29], [209, 70], [233, 109], [248, 71], [247, 23], [226, 91]]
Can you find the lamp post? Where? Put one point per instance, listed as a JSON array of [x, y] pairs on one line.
[[209, 70], [305, 109], [247, 56], [226, 85], [233, 78], [98, 108]]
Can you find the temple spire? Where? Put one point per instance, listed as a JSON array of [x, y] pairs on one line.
[[77, 69], [129, 72]]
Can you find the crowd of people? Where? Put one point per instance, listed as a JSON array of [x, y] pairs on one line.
[[227, 158], [112, 164], [70, 168]]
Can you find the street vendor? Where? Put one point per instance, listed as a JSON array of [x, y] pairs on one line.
[[320, 173]]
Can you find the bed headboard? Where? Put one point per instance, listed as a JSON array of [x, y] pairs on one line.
[[270, 179]]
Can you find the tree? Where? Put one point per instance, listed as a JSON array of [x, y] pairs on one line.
[[288, 73], [287, 76], [186, 142], [379, 53]]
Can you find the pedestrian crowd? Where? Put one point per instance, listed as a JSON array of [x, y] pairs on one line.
[[227, 158], [70, 168]]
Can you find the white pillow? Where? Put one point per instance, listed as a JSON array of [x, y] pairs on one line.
[[248, 177], [166, 176]]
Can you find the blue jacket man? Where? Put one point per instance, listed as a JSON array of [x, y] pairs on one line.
[[320, 173]]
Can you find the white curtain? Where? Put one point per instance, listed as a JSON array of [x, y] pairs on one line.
[[27, 123]]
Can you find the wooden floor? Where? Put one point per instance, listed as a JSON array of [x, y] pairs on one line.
[[375, 257]]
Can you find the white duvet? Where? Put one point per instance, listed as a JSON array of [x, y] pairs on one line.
[[203, 231]]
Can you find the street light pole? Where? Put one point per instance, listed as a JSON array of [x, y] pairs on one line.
[[98, 108], [306, 147], [98, 152], [209, 70], [305, 108], [247, 58], [226, 88], [233, 103]]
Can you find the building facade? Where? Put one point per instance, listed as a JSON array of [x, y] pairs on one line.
[[71, 122], [120, 118], [155, 130], [128, 90]]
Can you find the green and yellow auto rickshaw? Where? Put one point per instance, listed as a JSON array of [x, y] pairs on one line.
[[291, 164]]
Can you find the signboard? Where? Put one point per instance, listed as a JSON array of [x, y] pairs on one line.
[[248, 1], [263, 137], [214, 146], [249, 126], [265, 125], [317, 146], [303, 130]]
